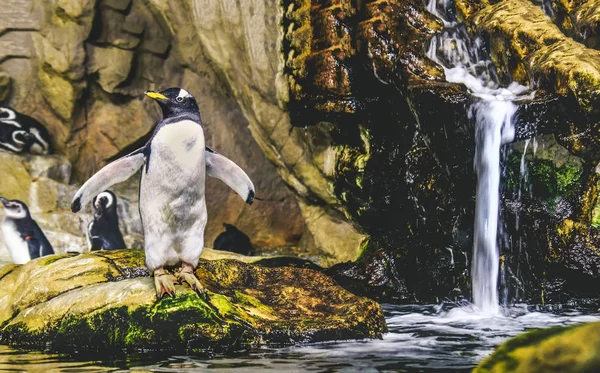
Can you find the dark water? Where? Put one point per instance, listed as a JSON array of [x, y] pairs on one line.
[[427, 339]]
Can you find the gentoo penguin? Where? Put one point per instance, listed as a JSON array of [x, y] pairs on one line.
[[22, 236], [233, 240], [174, 165], [103, 232], [21, 133]]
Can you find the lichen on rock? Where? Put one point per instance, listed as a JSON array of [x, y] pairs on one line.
[[107, 301], [570, 349]]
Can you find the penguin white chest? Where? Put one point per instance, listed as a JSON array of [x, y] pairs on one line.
[[17, 247], [172, 189], [182, 143]]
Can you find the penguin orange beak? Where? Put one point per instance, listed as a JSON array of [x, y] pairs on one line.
[[155, 95]]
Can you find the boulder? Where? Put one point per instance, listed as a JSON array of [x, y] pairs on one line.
[[571, 349], [107, 301]]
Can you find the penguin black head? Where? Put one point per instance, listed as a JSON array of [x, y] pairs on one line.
[[28, 135], [175, 102], [7, 113], [104, 202], [15, 209]]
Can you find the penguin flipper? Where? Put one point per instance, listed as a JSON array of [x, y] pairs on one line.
[[113, 173], [34, 247], [230, 173]]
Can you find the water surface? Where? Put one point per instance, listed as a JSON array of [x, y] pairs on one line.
[[430, 338]]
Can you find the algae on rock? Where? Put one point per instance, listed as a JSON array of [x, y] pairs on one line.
[[570, 349], [106, 301]]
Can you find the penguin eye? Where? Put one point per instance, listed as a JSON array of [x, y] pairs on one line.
[[179, 99]]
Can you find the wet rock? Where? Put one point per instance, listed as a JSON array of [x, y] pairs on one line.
[[546, 215], [579, 20], [105, 301], [375, 276], [537, 50], [571, 349]]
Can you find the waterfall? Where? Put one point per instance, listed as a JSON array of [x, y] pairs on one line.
[[464, 61]]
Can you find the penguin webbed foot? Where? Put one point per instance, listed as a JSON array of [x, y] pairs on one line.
[[186, 274], [164, 283]]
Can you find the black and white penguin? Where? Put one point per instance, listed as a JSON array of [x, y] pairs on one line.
[[20, 133], [233, 240], [103, 232], [174, 166], [22, 235]]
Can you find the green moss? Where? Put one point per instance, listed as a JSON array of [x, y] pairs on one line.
[[124, 258], [596, 216], [568, 178], [223, 305], [502, 355], [129, 263], [150, 327], [6, 269], [248, 300], [364, 248], [546, 179], [47, 260]]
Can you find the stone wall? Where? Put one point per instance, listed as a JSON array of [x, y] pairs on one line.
[[81, 67]]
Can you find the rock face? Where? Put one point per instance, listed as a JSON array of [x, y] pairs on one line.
[[106, 301], [572, 349], [81, 67]]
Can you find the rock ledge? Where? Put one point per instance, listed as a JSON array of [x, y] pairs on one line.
[[105, 301]]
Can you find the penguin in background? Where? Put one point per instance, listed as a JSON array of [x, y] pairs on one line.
[[174, 165], [233, 240], [21, 133], [22, 235], [103, 232]]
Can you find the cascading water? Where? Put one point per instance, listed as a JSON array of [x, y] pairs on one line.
[[493, 112]]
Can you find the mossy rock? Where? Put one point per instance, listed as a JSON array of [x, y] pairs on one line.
[[105, 301], [572, 349]]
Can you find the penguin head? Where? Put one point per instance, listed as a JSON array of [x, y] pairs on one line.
[[15, 209], [104, 202], [7, 113], [229, 227], [22, 138], [39, 140], [175, 101]]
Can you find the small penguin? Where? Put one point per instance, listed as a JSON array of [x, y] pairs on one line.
[[20, 133], [233, 240], [174, 165], [22, 235], [103, 232]]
